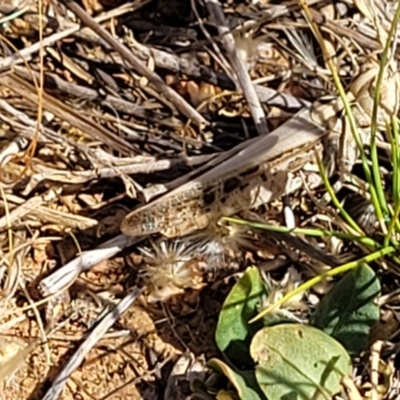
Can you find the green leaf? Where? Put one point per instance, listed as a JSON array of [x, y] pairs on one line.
[[298, 362], [348, 311], [233, 333], [244, 382]]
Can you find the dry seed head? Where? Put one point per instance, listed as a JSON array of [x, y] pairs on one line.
[[169, 269]]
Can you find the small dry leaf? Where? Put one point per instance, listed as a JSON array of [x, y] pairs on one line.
[[200, 93]]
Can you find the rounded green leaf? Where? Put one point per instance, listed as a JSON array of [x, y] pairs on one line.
[[348, 311], [298, 362], [233, 333]]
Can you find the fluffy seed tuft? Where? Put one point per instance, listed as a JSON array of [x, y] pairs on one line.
[[169, 269]]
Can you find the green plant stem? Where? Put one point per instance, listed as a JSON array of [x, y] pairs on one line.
[[394, 140], [347, 107], [374, 120], [333, 272], [394, 222], [334, 199], [306, 231]]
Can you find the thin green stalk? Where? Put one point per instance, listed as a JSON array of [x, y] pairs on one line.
[[395, 160], [394, 222], [333, 272], [395, 217], [306, 231], [374, 121], [334, 199], [349, 113]]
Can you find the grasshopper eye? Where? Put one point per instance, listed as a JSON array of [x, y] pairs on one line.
[[139, 224], [150, 223]]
